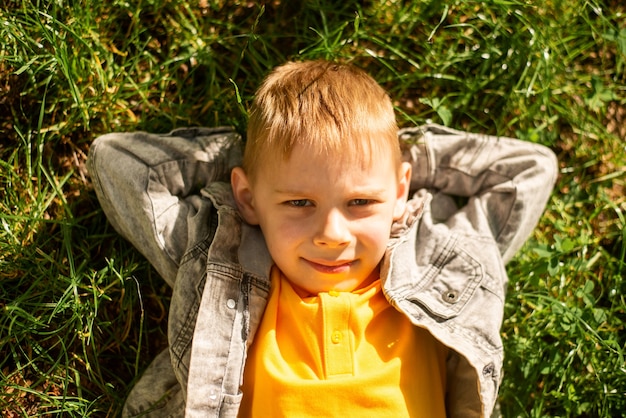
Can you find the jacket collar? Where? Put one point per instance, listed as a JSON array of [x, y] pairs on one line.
[[252, 252]]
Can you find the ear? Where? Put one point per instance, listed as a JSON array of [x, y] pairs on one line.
[[243, 195], [404, 182]]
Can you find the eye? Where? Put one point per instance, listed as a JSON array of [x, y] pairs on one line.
[[360, 202], [299, 203]]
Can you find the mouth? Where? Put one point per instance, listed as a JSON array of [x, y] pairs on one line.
[[330, 267]]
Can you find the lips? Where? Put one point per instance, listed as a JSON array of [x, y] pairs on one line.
[[330, 267]]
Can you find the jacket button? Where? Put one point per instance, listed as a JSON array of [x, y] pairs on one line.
[[231, 303], [489, 369], [450, 296]]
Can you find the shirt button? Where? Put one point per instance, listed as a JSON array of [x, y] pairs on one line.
[[231, 303], [333, 293], [336, 337]]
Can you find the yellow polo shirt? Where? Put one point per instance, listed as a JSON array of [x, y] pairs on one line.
[[347, 354]]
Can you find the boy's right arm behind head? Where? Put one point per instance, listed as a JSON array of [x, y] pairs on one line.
[[148, 185]]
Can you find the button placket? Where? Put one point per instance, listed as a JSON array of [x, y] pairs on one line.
[[336, 309]]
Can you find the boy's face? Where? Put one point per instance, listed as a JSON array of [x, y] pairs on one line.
[[326, 225]]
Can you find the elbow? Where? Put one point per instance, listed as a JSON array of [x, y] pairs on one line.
[[99, 150], [547, 165], [537, 181]]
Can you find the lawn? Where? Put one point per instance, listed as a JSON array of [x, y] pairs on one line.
[[82, 313]]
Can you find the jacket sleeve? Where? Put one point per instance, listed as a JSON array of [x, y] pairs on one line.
[[148, 185], [507, 182]]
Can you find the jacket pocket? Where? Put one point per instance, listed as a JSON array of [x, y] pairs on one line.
[[449, 281]]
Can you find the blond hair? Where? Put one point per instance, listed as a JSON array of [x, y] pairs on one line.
[[332, 109]]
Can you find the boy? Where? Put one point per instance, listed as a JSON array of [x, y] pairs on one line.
[[311, 268]]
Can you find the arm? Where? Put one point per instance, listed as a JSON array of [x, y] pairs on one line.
[[148, 185], [508, 181]]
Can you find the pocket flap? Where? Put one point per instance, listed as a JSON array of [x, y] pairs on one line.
[[449, 282]]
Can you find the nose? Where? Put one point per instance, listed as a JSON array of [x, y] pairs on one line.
[[333, 229]]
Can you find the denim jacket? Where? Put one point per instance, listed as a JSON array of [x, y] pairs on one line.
[[475, 200]]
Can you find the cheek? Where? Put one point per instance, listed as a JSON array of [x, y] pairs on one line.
[[282, 236], [374, 233]]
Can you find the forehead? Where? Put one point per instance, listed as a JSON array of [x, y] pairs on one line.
[[307, 166]]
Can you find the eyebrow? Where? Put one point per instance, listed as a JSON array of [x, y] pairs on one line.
[[364, 191], [287, 191]]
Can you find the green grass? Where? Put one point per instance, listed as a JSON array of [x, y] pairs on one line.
[[81, 311]]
